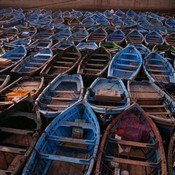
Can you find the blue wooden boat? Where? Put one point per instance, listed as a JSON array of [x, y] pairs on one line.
[[18, 42], [131, 14], [170, 39], [158, 69], [42, 21], [120, 13], [12, 58], [170, 22], [166, 51], [44, 34], [63, 34], [62, 45], [63, 91], [97, 35], [117, 22], [155, 16], [68, 145], [19, 128], [74, 22], [101, 20], [94, 64], [62, 62], [76, 14], [108, 14], [27, 32], [125, 64], [39, 44], [144, 51], [107, 96], [131, 144], [154, 101], [16, 19], [153, 38], [88, 21], [117, 36], [79, 36], [135, 37], [129, 23], [33, 64], [85, 47], [19, 90], [8, 34], [4, 80]]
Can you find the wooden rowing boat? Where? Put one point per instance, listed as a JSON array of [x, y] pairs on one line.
[[117, 36], [63, 91], [33, 64], [68, 145], [135, 37], [63, 62], [19, 130], [107, 96], [131, 144], [125, 64], [20, 89], [154, 101], [8, 34], [170, 39], [39, 44], [97, 35], [158, 69], [94, 64], [11, 58], [153, 38]]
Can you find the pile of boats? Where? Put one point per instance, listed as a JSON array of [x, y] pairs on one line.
[[87, 92]]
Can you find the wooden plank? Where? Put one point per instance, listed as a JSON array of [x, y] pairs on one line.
[[15, 131], [71, 140], [12, 150], [77, 124], [131, 162], [133, 143], [65, 158]]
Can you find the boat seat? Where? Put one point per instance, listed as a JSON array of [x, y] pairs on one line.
[[122, 70], [62, 98], [68, 58], [132, 162], [130, 60], [54, 105], [129, 54], [64, 158], [61, 67], [95, 65], [159, 70], [71, 140], [76, 124], [96, 59], [16, 131], [127, 65], [12, 150], [133, 143]]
